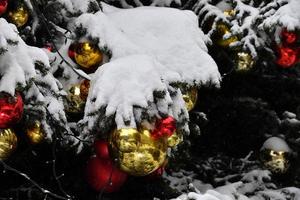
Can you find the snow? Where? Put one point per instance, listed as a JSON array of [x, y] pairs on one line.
[[276, 144], [286, 16], [151, 48]]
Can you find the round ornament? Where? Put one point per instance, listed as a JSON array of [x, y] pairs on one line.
[[190, 96], [137, 152], [11, 109], [244, 62], [275, 155], [19, 16], [3, 6], [175, 139], [88, 56], [288, 37], [84, 89], [35, 133], [222, 30], [287, 57], [101, 149], [102, 175], [75, 104], [8, 143], [164, 127]]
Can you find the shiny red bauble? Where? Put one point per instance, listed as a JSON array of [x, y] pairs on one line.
[[287, 57], [102, 175], [11, 109], [71, 51], [164, 127], [288, 37], [101, 149], [3, 6]]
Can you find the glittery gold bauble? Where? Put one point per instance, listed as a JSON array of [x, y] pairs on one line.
[[175, 139], [8, 142], [275, 155], [190, 96], [88, 56], [244, 61], [222, 29], [35, 133], [75, 104], [19, 16], [137, 152], [229, 13]]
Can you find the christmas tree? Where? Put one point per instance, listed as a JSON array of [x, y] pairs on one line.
[[122, 99]]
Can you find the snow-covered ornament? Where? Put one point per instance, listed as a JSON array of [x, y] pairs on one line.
[[35, 133], [136, 152], [3, 6], [11, 109], [190, 96], [88, 56], [8, 143], [275, 155], [19, 16], [244, 62], [222, 32]]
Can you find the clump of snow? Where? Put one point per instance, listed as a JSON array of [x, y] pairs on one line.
[[286, 16], [151, 49], [276, 144]]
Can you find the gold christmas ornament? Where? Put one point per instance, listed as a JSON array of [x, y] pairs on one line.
[[222, 29], [175, 139], [88, 56], [136, 152], [19, 16], [244, 61], [8, 142], [275, 155], [75, 104], [229, 13], [35, 133], [190, 96]]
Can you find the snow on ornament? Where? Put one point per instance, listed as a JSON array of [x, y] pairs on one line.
[[275, 155]]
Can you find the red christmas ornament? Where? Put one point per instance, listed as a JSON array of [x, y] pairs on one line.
[[3, 6], [71, 51], [11, 109], [102, 175], [49, 47], [164, 127], [288, 37], [101, 149], [287, 57], [157, 173]]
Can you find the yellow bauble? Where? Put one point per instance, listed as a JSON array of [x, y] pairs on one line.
[[229, 13], [175, 139], [19, 16], [190, 96], [223, 29], [137, 152], [35, 133], [88, 56], [8, 143], [75, 104], [244, 61]]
